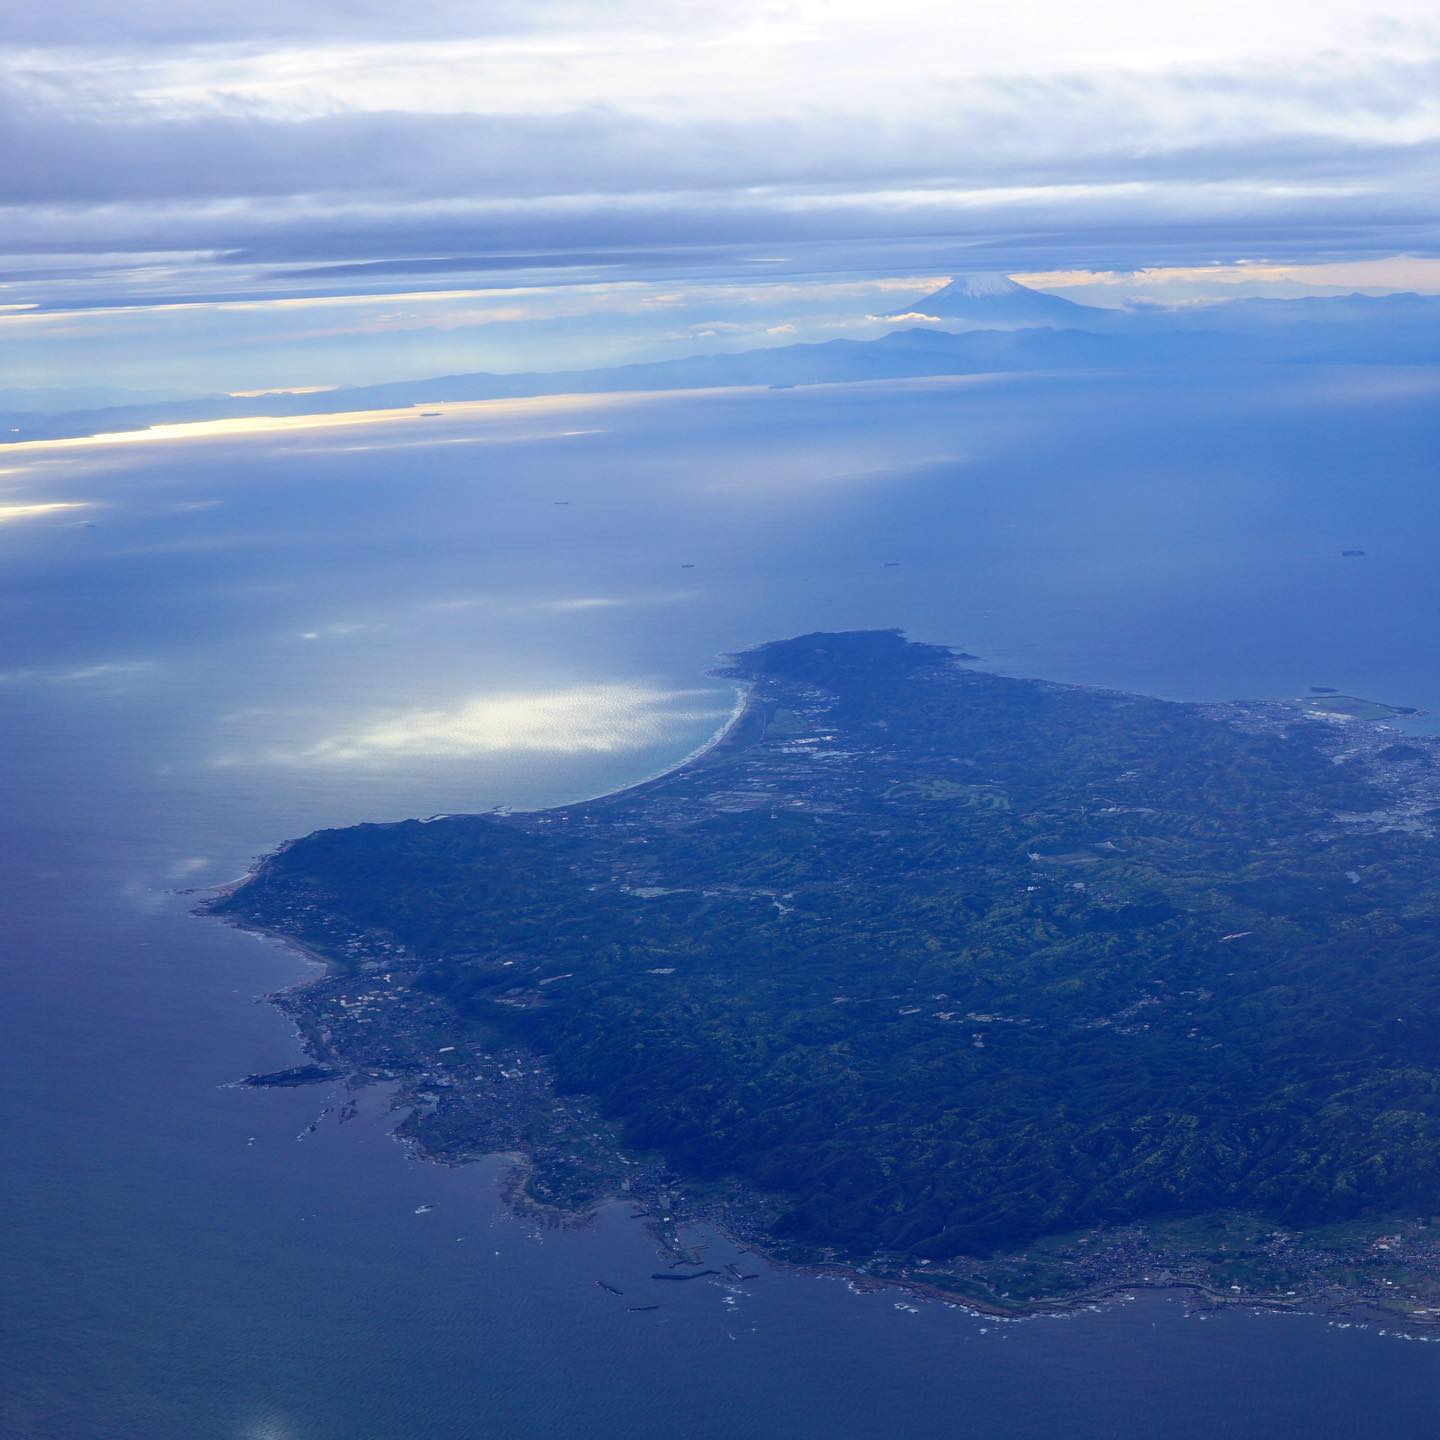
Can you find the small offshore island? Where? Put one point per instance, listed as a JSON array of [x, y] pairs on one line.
[[1014, 991]]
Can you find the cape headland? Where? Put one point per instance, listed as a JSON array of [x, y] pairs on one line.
[[1016, 991]]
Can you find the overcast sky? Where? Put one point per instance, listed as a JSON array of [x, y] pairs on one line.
[[296, 128]]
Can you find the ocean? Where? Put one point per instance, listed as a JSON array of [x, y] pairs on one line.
[[234, 638]]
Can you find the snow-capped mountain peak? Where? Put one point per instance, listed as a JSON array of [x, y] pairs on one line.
[[989, 300]]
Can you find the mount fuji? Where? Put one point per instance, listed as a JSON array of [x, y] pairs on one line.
[[987, 301]]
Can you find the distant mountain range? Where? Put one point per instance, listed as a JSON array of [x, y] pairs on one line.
[[1058, 335]]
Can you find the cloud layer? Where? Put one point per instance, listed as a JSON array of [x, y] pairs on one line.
[[317, 131]]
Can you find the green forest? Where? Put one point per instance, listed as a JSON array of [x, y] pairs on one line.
[[949, 961]]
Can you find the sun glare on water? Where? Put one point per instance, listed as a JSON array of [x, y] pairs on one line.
[[594, 718], [33, 512]]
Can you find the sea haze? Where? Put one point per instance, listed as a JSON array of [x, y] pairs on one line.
[[216, 641]]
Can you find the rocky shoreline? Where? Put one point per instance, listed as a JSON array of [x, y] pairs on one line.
[[1120, 1261]]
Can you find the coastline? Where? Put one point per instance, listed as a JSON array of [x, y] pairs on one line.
[[860, 1276], [744, 711], [749, 711], [741, 713]]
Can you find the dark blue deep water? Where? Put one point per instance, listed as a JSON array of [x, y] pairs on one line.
[[233, 640]]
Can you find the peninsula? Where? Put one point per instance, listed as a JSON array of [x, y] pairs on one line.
[[1017, 990]]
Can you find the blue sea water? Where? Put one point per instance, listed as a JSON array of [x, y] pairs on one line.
[[235, 639]]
